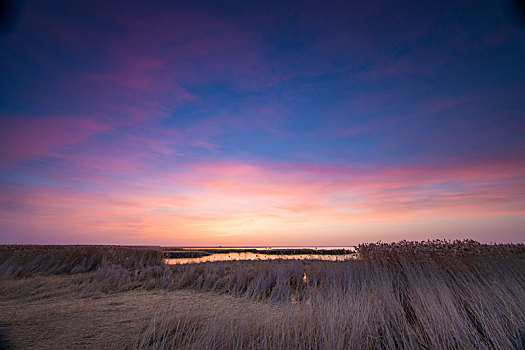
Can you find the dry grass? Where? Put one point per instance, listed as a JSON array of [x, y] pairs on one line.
[[56, 318], [92, 268], [427, 295], [29, 260]]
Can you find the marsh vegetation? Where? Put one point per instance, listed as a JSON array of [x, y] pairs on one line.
[[407, 295]]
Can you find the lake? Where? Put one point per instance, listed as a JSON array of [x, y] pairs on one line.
[[264, 253]]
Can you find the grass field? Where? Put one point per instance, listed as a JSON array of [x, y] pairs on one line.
[[426, 295]]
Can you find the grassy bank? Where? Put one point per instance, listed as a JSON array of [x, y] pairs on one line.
[[426, 295], [91, 268]]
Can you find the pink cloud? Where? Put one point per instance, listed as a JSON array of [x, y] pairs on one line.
[[22, 139], [225, 201]]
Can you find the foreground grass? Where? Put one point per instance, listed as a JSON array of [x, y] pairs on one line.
[[428, 295], [54, 316]]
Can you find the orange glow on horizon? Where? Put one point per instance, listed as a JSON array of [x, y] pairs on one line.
[[241, 204]]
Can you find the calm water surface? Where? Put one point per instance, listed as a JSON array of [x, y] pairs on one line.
[[257, 256]]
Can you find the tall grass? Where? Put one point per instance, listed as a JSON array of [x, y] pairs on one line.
[[27, 260], [406, 295], [427, 295], [92, 268]]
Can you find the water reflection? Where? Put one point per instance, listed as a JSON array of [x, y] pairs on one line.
[[257, 256]]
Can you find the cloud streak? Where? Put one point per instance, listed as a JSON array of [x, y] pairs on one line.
[[212, 200]]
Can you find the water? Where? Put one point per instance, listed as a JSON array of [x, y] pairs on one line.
[[258, 256]]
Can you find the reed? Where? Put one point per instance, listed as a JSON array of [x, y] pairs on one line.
[[92, 268], [27, 260], [405, 295]]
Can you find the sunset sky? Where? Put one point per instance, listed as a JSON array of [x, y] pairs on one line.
[[268, 123]]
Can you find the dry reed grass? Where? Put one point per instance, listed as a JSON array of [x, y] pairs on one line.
[[28, 260], [107, 321], [407, 295], [426, 295], [92, 268]]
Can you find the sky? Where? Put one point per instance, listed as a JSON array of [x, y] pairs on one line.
[[264, 123]]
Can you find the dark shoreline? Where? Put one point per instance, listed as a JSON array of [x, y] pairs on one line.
[[199, 252]]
